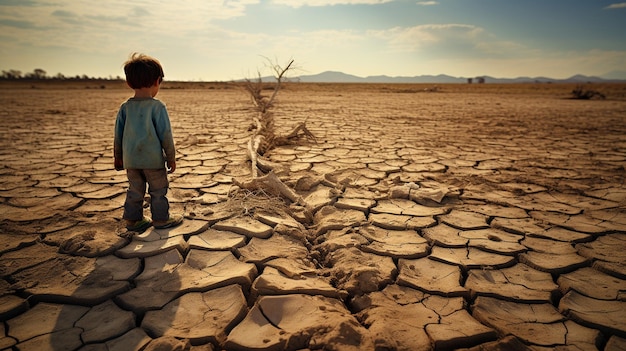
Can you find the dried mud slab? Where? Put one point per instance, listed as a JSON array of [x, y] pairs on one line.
[[76, 279], [547, 262], [88, 240], [431, 276], [142, 249], [276, 246], [394, 243], [199, 317], [518, 283], [46, 210], [30, 256], [166, 278], [469, 258], [594, 284], [493, 240], [401, 318], [294, 322], [47, 326], [273, 282], [535, 324], [104, 322], [331, 218], [247, 226], [606, 316], [400, 222], [445, 236], [11, 242], [607, 248], [360, 272], [216, 240], [465, 220], [406, 207]]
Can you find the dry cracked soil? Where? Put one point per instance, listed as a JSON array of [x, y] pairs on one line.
[[474, 217]]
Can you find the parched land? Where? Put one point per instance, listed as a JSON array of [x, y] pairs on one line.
[[478, 217]]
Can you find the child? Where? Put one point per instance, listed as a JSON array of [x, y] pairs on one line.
[[144, 144]]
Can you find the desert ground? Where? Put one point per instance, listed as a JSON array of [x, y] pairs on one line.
[[475, 217]]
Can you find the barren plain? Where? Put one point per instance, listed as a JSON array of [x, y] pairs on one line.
[[476, 217]]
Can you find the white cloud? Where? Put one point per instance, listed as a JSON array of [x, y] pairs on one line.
[[317, 3], [619, 5], [160, 13], [406, 39], [427, 3], [112, 24]]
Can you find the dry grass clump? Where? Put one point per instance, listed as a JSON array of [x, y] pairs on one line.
[[581, 93], [248, 202]]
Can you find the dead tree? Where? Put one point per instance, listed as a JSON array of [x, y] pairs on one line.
[[264, 137]]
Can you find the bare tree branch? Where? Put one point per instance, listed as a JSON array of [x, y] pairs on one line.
[[264, 137]]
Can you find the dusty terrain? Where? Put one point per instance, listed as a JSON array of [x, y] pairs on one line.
[[482, 217]]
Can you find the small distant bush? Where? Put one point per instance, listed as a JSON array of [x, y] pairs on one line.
[[582, 93]]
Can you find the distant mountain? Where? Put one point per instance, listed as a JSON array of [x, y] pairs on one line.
[[331, 77], [573, 79], [340, 77], [442, 78]]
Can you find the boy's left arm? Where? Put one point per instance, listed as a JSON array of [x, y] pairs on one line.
[[171, 166]]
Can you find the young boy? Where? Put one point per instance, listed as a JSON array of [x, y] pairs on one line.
[[144, 144]]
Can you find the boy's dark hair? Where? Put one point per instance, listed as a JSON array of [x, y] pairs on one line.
[[142, 71]]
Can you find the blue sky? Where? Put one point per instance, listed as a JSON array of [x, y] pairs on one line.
[[231, 39]]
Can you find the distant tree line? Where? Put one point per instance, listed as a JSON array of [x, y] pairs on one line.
[[40, 74]]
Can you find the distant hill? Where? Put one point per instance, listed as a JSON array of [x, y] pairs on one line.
[[340, 77]]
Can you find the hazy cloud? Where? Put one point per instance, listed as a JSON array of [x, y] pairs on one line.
[[300, 3], [64, 14], [139, 11], [68, 17], [17, 24], [619, 5], [427, 3], [19, 3], [110, 19], [408, 39]]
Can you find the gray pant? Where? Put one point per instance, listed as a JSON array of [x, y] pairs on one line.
[[157, 188]]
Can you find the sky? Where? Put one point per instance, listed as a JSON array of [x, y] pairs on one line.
[[222, 40]]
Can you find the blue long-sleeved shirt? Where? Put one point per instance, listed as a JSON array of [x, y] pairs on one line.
[[143, 134]]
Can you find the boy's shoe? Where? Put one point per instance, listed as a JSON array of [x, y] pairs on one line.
[[170, 223], [139, 226]]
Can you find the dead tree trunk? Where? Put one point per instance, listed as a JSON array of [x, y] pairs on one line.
[[264, 137]]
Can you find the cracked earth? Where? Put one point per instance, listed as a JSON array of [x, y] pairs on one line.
[[474, 217]]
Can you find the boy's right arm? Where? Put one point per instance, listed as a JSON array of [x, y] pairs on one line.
[[119, 164], [118, 153]]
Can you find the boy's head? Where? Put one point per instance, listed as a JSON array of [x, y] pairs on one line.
[[142, 71]]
